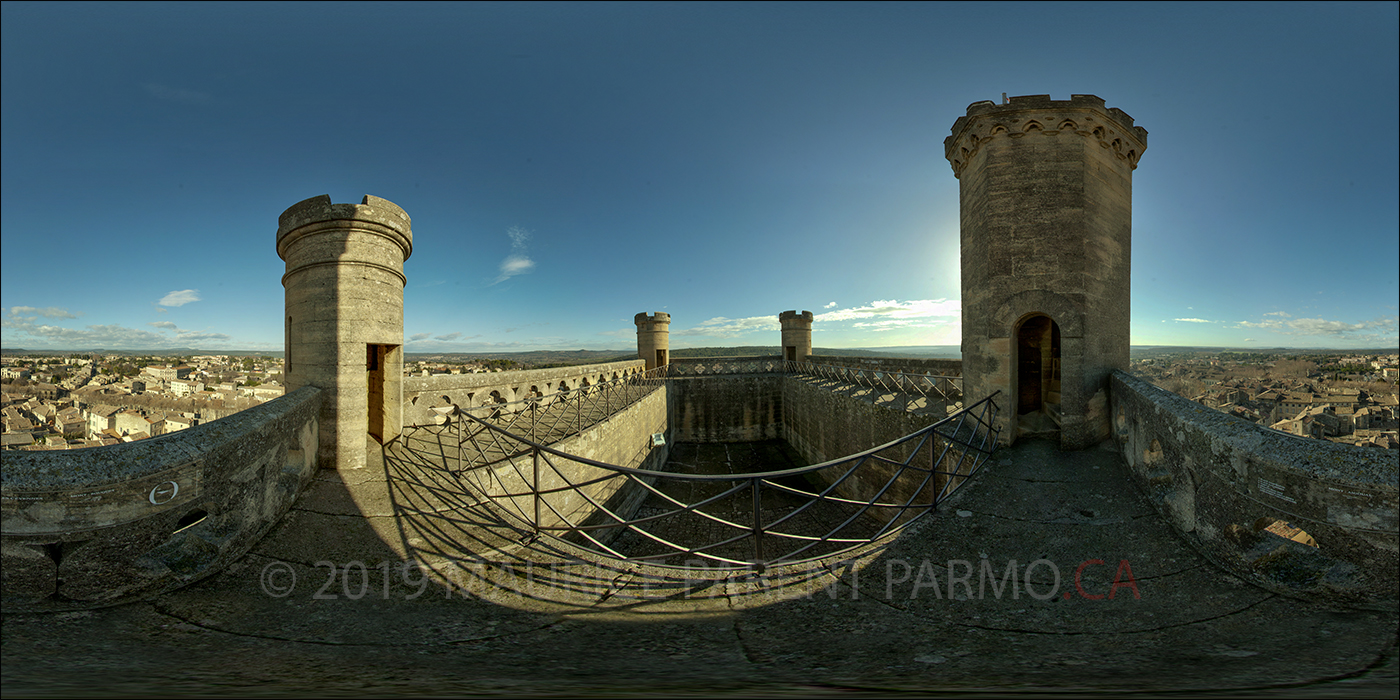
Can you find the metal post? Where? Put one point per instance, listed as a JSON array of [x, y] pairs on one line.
[[535, 488], [756, 487]]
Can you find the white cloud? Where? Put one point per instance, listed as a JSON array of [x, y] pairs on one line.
[[1281, 314], [164, 324], [449, 336], [419, 336], [180, 298], [1377, 330], [24, 332], [830, 305], [46, 312], [918, 308], [1192, 320], [518, 262], [721, 327], [877, 316]]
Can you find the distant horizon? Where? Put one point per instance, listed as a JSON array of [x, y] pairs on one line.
[[875, 348]]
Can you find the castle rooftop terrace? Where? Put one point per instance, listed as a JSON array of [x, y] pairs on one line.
[[484, 614]]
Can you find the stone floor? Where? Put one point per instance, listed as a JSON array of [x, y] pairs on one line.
[[324, 606]]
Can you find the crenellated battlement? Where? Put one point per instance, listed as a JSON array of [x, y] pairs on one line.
[[794, 318], [383, 216], [1081, 115], [654, 338]]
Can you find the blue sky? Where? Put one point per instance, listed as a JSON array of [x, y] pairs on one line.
[[567, 166]]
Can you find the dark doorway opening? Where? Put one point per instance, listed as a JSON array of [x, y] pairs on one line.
[[660, 358], [791, 353], [383, 375], [1038, 367]]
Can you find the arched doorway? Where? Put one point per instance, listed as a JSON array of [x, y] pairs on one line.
[[1038, 367]]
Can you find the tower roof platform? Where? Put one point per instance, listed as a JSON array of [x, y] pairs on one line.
[[309, 609]]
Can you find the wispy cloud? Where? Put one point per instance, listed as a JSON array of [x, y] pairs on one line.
[[449, 336], [169, 94], [1376, 330], [180, 298], [419, 336], [518, 262], [830, 305], [721, 327], [1192, 320], [880, 315], [24, 331], [1280, 314], [46, 312], [896, 310]]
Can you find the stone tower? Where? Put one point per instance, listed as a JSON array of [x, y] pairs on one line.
[[1046, 200], [654, 338], [344, 318], [797, 335]]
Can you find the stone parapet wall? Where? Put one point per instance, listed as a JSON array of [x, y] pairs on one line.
[[101, 526], [738, 364], [727, 408], [624, 440], [421, 394], [940, 367], [1224, 481], [823, 425]]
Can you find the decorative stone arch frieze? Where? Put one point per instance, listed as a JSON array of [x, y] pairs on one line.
[[1084, 115]]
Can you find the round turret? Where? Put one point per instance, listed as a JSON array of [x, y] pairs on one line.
[[797, 335], [654, 338], [344, 317]]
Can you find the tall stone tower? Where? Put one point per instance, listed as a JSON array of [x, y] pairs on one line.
[[654, 338], [1046, 199], [797, 335], [344, 319]]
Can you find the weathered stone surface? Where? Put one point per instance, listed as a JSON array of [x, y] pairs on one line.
[[654, 338], [797, 335], [344, 316], [1222, 480], [1046, 201], [83, 528]]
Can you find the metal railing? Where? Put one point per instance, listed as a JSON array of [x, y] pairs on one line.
[[566, 412], [708, 366], [751, 520], [908, 388]]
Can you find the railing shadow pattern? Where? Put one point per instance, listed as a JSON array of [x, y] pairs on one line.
[[908, 391], [753, 520]]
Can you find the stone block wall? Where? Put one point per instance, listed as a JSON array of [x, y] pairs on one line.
[[421, 394], [1223, 482], [940, 367], [727, 408], [102, 526], [624, 440], [824, 425]]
